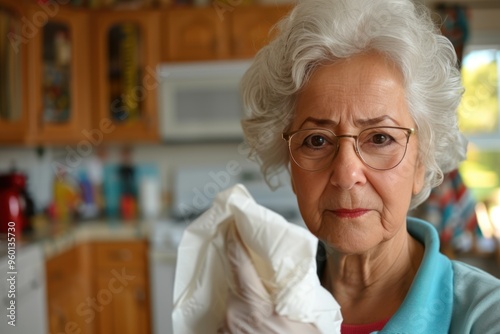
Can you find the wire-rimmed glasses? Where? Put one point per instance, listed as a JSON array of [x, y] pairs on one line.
[[380, 148]]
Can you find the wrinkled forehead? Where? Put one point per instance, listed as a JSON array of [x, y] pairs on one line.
[[363, 90]]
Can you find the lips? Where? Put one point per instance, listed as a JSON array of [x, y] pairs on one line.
[[349, 213]]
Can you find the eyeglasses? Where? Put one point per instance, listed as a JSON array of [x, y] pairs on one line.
[[380, 148]]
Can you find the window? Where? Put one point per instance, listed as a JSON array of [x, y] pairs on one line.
[[479, 116]]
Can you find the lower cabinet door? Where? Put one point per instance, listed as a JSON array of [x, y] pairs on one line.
[[122, 301]]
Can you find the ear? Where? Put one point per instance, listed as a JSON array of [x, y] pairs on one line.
[[418, 178]]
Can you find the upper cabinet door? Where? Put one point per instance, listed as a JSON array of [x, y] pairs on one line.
[[13, 74], [190, 34], [58, 68], [251, 28], [125, 58]]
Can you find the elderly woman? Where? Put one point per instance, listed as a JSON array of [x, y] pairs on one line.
[[358, 100]]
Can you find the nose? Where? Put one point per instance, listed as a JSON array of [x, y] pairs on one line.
[[347, 169]]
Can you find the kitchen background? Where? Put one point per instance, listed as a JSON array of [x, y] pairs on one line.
[[124, 124]]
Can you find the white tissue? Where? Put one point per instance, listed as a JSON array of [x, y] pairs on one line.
[[283, 254]]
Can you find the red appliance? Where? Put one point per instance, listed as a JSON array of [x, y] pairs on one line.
[[15, 204]]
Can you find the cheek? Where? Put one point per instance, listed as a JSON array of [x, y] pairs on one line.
[[300, 185], [308, 188], [395, 191]]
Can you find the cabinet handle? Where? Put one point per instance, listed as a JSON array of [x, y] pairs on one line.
[[140, 295], [56, 276], [215, 45]]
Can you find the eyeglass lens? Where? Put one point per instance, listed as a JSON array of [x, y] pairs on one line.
[[380, 148]]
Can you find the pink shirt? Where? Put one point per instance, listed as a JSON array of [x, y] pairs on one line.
[[363, 329]]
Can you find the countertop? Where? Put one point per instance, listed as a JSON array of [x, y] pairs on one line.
[[95, 231], [57, 238]]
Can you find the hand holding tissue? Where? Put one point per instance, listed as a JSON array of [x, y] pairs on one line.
[[244, 268], [250, 306]]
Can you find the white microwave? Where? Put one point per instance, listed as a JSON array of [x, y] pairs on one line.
[[201, 101]]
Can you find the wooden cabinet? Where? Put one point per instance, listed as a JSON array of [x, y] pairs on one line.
[[81, 75], [59, 81], [125, 56], [45, 80], [13, 74], [68, 293], [252, 28], [121, 282], [99, 288], [70, 75], [196, 34]]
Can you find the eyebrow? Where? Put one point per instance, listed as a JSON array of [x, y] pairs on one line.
[[319, 121], [362, 122], [374, 121]]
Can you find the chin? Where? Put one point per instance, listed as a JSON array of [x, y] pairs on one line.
[[346, 248], [346, 238]]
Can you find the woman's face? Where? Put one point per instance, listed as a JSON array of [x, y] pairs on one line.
[[350, 206]]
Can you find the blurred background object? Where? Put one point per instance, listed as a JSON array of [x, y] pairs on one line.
[[16, 204]]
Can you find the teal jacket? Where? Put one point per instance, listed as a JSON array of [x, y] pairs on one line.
[[446, 296]]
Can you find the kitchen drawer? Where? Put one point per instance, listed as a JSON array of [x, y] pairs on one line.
[[120, 253]]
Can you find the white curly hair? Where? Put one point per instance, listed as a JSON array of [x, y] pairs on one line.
[[322, 31]]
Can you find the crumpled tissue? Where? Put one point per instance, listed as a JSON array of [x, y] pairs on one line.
[[283, 255]]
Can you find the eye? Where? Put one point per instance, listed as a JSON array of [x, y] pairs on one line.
[[380, 138], [315, 141]]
